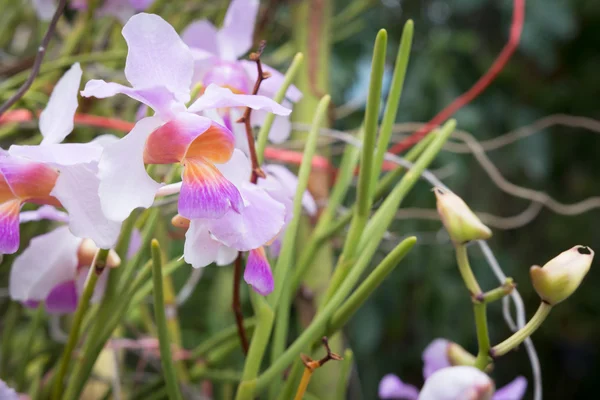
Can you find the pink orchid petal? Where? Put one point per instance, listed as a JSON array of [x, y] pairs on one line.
[[255, 225], [59, 154], [62, 299], [280, 129], [200, 249], [44, 10], [226, 255], [7, 393], [27, 180], [235, 36], [258, 272], [157, 56], [205, 192], [230, 75], [391, 387], [289, 182], [515, 390], [9, 226], [124, 183], [435, 357], [56, 121], [77, 189], [44, 212], [216, 97], [49, 259], [270, 87], [158, 97], [462, 382], [201, 35], [169, 143], [238, 169]]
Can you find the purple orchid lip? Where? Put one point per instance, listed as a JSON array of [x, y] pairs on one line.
[[258, 272], [62, 298]]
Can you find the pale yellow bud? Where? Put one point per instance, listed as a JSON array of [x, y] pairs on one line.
[[87, 251], [562, 275], [461, 223]]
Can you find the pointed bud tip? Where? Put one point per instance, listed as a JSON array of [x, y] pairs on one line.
[[459, 220], [560, 277]]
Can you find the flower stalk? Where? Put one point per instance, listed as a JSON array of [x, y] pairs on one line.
[[161, 323], [518, 337], [312, 365]]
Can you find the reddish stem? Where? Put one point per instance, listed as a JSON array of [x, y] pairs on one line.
[[479, 86]]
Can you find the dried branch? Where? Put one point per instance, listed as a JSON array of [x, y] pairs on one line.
[[38, 59], [245, 119]]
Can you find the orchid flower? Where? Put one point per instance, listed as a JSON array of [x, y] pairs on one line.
[[216, 54], [159, 67], [255, 225], [54, 267], [435, 359], [56, 174], [7, 393], [121, 9]]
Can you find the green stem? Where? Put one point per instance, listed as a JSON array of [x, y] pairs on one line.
[[391, 107], [287, 251], [24, 356], [518, 337], [362, 293], [364, 192], [342, 387], [483, 338], [96, 269], [265, 129], [206, 346], [10, 322], [318, 324], [465, 270], [498, 293], [161, 322]]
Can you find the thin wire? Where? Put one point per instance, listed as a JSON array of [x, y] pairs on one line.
[[495, 267], [189, 286]]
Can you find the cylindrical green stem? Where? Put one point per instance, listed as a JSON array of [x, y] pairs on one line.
[[483, 338], [499, 292], [96, 269], [518, 337], [342, 386], [24, 356], [161, 323], [465, 270]]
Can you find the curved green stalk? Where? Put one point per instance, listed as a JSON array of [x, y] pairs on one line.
[[342, 387], [161, 323], [465, 270], [518, 337], [96, 269], [265, 129]]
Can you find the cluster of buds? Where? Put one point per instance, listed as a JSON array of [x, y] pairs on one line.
[[554, 282]]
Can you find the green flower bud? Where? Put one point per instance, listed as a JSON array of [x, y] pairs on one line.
[[460, 222], [562, 275]]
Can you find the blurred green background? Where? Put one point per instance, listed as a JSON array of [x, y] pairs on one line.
[[554, 71]]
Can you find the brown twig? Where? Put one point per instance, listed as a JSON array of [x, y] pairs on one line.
[[38, 59], [311, 365], [236, 304], [257, 172]]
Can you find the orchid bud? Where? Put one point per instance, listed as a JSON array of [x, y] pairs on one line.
[[461, 382], [562, 275], [460, 222], [87, 251], [457, 355]]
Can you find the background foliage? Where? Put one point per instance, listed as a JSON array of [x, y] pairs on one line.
[[555, 70]]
